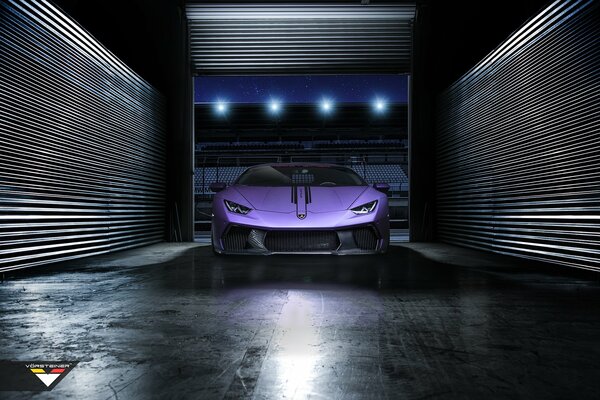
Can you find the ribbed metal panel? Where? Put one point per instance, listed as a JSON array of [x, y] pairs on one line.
[[278, 38], [518, 143], [301, 241], [82, 143]]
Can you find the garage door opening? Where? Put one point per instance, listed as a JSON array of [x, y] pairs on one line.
[[359, 121], [279, 82]]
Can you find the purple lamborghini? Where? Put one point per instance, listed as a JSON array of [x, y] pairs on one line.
[[300, 208]]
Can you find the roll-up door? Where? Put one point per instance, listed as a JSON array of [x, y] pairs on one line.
[[518, 155], [82, 143], [279, 38]]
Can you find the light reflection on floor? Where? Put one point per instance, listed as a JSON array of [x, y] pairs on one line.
[[297, 342]]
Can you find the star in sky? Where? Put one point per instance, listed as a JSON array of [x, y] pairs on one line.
[[301, 89]]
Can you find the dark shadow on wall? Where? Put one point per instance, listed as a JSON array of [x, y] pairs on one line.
[[448, 39]]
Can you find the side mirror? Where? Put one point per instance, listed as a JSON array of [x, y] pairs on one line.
[[382, 187], [217, 186]]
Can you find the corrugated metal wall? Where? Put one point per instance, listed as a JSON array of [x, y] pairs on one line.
[[518, 153], [280, 38], [82, 143]]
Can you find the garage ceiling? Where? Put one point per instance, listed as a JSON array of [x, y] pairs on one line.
[[282, 38]]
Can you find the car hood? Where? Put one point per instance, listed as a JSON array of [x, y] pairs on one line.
[[285, 198]]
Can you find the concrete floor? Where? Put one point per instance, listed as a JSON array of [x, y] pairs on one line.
[[175, 322]]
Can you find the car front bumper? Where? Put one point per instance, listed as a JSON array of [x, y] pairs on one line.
[[332, 233]]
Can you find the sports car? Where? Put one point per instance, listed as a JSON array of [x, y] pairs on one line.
[[310, 208]]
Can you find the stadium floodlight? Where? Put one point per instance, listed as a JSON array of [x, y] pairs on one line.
[[275, 107], [380, 106], [326, 106], [221, 107]]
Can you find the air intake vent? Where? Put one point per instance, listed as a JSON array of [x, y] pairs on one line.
[[301, 241], [365, 238], [236, 238]]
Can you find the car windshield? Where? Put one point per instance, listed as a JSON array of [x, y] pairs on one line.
[[272, 175]]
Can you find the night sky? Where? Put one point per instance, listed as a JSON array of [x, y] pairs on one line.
[[301, 89]]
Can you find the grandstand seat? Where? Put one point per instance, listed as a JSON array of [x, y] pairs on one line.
[[393, 174]]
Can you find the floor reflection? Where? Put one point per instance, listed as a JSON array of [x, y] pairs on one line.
[[296, 354], [400, 326], [399, 268]]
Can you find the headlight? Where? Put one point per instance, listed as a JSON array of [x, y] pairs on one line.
[[237, 208], [365, 208]]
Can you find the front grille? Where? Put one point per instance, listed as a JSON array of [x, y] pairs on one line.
[[235, 238], [365, 238], [301, 241]]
